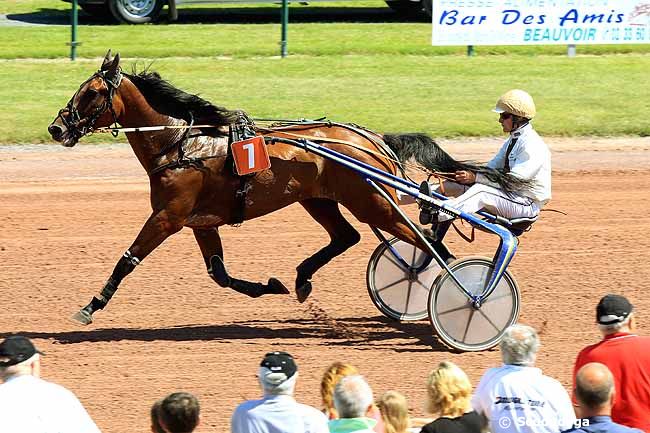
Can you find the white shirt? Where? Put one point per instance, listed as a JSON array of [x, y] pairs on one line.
[[530, 159], [32, 405], [277, 414], [518, 399]]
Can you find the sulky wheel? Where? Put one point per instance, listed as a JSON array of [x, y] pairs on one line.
[[398, 293], [456, 321]]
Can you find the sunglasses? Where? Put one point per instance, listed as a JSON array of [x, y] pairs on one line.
[[505, 116]]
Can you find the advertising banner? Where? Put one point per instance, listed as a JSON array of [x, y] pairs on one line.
[[523, 22]]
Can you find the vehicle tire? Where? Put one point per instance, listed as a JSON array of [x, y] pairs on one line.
[[136, 11], [456, 321], [427, 8], [405, 7], [101, 12], [397, 293]]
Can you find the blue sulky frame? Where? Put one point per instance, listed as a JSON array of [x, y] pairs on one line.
[[507, 245]]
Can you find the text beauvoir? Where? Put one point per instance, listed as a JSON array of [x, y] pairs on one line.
[[522, 22]]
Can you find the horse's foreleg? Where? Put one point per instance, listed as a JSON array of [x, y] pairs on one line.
[[342, 236], [158, 227], [210, 243]]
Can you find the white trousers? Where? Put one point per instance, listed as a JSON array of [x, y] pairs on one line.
[[473, 198]]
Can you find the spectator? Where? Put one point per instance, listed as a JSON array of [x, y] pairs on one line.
[[176, 413], [448, 396], [277, 411], [517, 397], [31, 404], [595, 394], [394, 412], [353, 401], [628, 358], [331, 377]]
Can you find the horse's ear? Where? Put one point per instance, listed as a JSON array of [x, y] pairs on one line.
[[113, 68], [107, 60]]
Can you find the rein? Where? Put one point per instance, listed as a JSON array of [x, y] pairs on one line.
[[356, 146], [267, 130], [149, 128]]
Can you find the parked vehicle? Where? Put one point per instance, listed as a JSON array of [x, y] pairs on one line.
[[144, 11]]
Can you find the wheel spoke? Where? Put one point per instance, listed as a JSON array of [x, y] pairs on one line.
[[489, 321], [394, 261], [415, 251], [391, 285], [453, 310], [408, 297], [471, 316], [491, 299], [484, 280]]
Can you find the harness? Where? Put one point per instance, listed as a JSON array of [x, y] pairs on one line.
[[182, 161], [243, 128], [79, 127]]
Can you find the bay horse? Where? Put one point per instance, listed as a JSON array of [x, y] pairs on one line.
[[204, 193]]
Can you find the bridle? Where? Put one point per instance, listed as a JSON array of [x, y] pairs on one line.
[[79, 127]]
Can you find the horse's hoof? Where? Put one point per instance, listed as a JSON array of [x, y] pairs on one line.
[[276, 287], [83, 317], [303, 291]]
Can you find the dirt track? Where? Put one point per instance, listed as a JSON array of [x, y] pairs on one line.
[[68, 214]]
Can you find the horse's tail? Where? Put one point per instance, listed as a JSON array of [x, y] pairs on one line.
[[426, 152]]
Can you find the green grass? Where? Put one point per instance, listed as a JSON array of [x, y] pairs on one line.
[[31, 6], [385, 75], [252, 40], [229, 34], [445, 96]]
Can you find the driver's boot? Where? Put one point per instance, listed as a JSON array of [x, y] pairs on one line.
[[428, 215]]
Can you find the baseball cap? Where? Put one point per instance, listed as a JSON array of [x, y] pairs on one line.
[[613, 309], [16, 349], [277, 367]]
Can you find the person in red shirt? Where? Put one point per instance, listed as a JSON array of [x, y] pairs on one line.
[[627, 355]]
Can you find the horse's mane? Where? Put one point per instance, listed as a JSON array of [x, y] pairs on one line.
[[167, 99]]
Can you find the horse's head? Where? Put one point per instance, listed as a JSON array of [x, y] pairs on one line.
[[91, 106]]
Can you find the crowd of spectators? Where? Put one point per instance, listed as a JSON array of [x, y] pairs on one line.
[[610, 394]]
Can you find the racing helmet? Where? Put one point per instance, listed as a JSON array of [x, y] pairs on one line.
[[516, 102]]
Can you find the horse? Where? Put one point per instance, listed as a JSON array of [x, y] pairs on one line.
[[203, 193]]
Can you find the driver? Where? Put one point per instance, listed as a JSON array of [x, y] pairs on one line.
[[524, 154]]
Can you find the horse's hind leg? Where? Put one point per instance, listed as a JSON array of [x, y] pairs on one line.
[[342, 234], [210, 243]]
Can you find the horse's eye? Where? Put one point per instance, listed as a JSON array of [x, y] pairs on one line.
[[92, 93]]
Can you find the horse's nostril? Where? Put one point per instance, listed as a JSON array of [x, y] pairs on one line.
[[55, 131]]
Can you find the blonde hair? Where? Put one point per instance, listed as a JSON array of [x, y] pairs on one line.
[[394, 412], [448, 391], [331, 377]]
